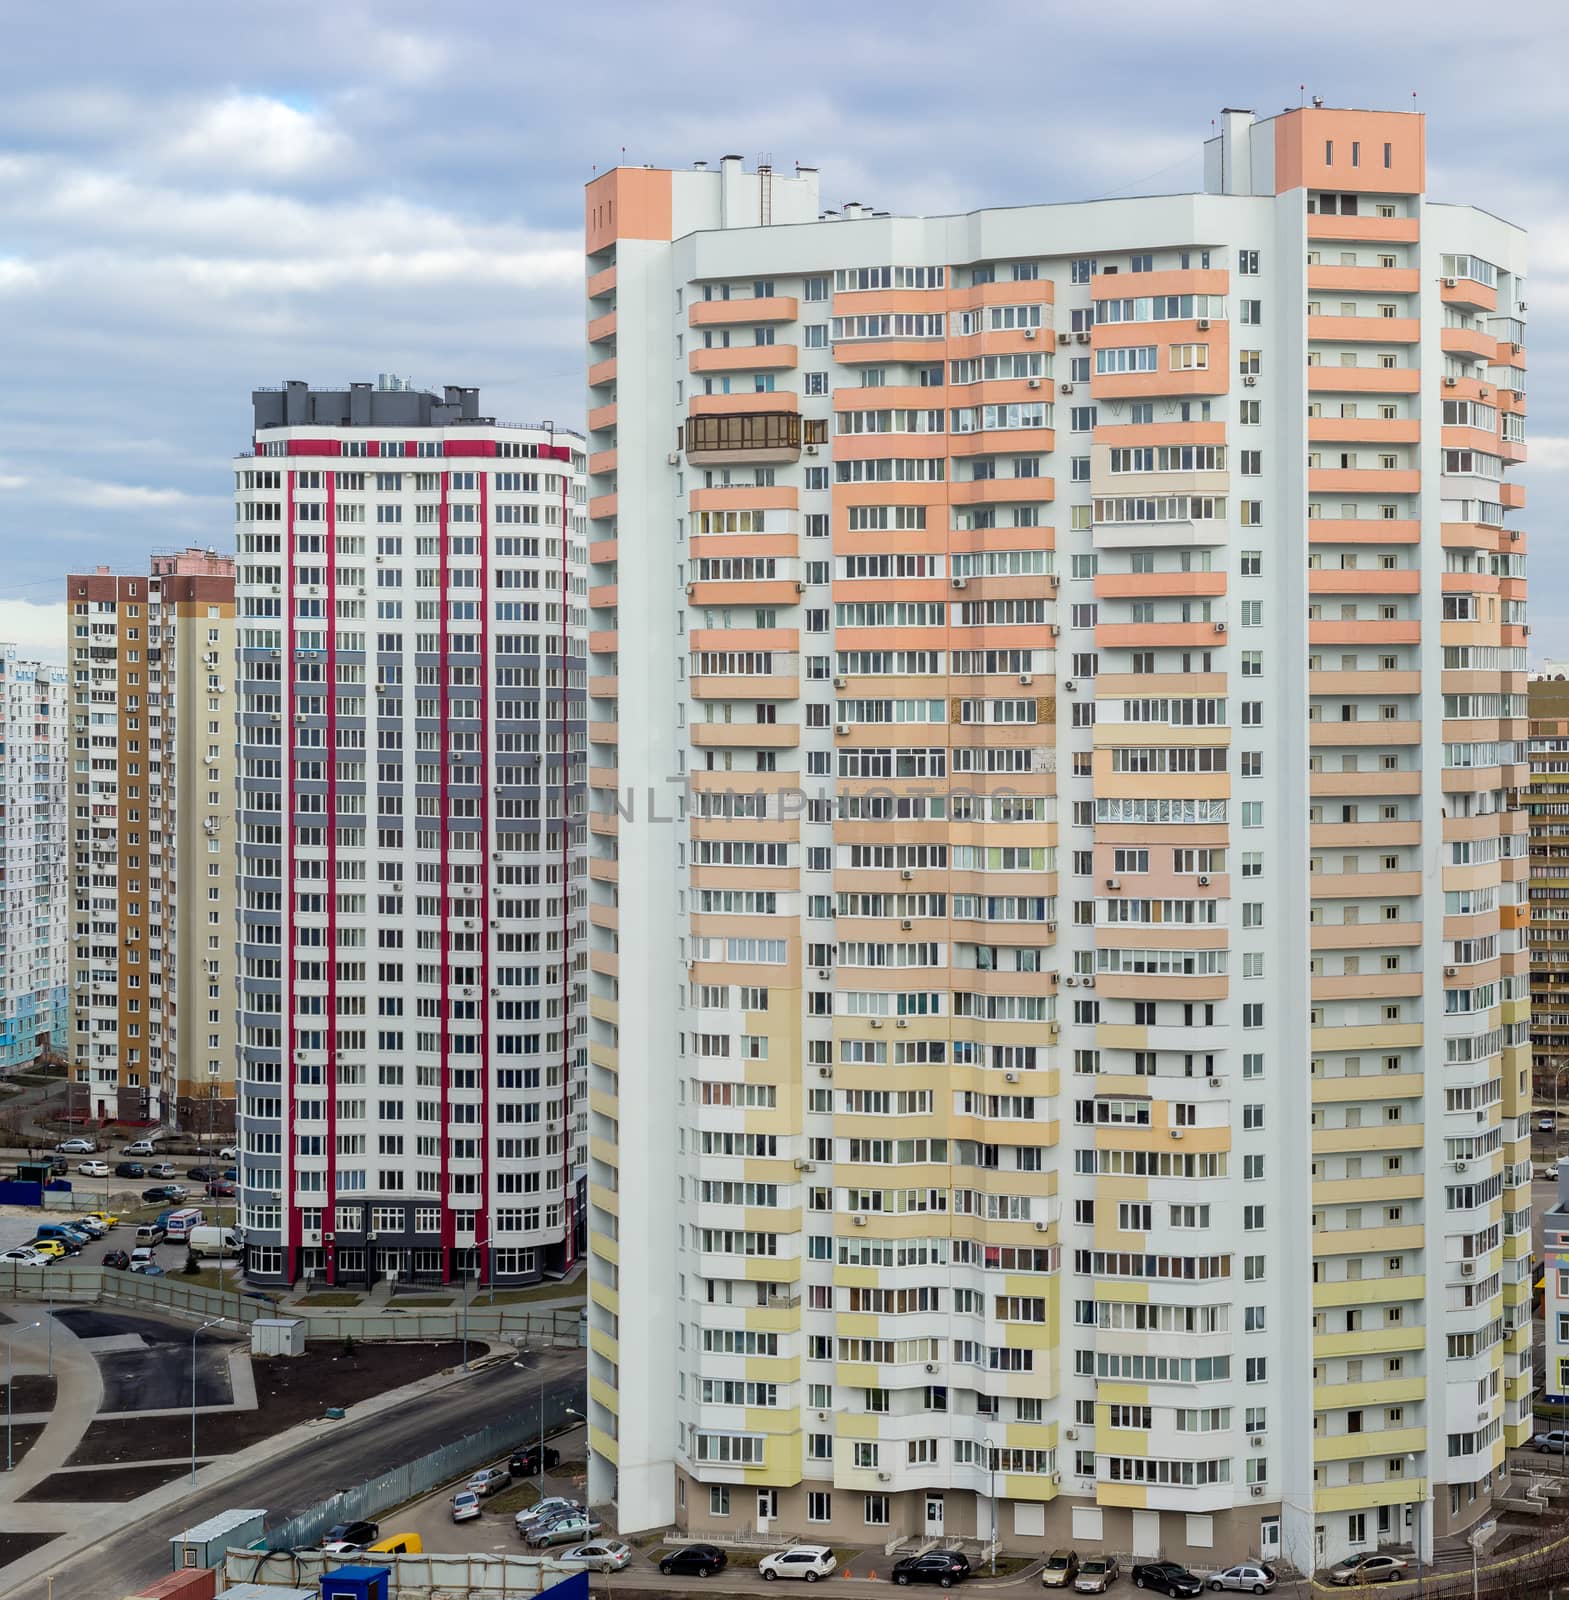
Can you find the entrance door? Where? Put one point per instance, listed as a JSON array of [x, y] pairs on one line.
[[767, 1508], [934, 1516], [1269, 1538], [1146, 1534]]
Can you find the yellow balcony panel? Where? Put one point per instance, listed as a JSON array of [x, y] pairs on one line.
[[605, 1199], [607, 1249], [775, 1422], [1355, 1191], [773, 1369], [1367, 1342], [858, 1424], [773, 1319], [604, 1344], [1027, 1486], [1373, 1086], [1360, 1496], [1121, 1036], [770, 1269], [1384, 1136], [1122, 1441], [1391, 1392], [606, 1297], [1118, 1289], [1370, 1036], [603, 1445], [1364, 1241], [1121, 1394], [1356, 1446], [603, 1392], [1120, 1494]]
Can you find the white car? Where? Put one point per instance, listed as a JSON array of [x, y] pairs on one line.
[[25, 1256], [93, 1169], [602, 1555], [229, 1153], [808, 1561], [552, 1506]]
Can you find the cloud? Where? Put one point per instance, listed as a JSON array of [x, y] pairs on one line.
[[36, 628], [254, 135]]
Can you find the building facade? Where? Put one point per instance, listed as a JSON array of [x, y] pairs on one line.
[[412, 816], [33, 885], [1060, 624], [1548, 806], [150, 663]]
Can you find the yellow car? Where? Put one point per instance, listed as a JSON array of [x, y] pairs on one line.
[[49, 1247], [107, 1218]]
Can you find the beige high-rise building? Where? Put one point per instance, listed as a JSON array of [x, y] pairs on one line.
[[152, 842]]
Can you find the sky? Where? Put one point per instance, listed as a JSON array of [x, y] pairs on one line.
[[196, 200]]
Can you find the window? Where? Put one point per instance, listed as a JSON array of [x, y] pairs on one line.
[[819, 1506], [1247, 262], [719, 1500]]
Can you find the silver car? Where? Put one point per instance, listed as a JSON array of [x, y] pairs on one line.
[[603, 1555], [489, 1480], [1247, 1577], [571, 1529]]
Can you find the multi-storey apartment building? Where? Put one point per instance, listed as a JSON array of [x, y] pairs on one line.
[[1548, 807], [1077, 1084], [150, 663], [32, 859], [412, 816]]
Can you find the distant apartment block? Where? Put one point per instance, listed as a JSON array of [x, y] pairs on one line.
[[150, 661], [33, 873], [413, 834], [1548, 808], [1066, 1070]]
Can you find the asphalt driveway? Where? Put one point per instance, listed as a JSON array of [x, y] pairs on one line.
[[154, 1374]]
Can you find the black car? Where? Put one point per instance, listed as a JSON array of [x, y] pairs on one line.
[[160, 1192], [58, 1165], [943, 1567], [698, 1559], [130, 1169], [1166, 1577], [525, 1460], [202, 1174], [117, 1258], [350, 1535]]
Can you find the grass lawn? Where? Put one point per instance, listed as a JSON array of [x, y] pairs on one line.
[[518, 1497], [540, 1291], [421, 1300], [208, 1278], [332, 1298], [1006, 1566]]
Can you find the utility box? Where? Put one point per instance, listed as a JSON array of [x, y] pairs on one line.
[[39, 1172], [188, 1583], [265, 1591], [203, 1545], [356, 1583], [278, 1336]]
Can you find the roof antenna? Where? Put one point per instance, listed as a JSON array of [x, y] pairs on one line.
[[1301, 95]]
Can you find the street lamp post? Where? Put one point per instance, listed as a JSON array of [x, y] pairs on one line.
[[204, 1327], [10, 1384], [991, 1463], [479, 1244], [1418, 1539]]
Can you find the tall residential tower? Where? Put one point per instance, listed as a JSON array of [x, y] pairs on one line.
[[33, 873], [1065, 1070], [412, 817], [150, 661]]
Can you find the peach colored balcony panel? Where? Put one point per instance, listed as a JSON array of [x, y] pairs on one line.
[[1365, 430], [1132, 433], [603, 552], [1511, 450], [1370, 280], [1469, 293], [989, 491], [1362, 935], [602, 417], [1170, 280], [1334, 785], [602, 505], [916, 396], [603, 641], [603, 777], [1365, 330], [777, 639], [601, 461], [603, 870], [602, 373], [881, 302], [1347, 683], [1364, 631], [1392, 230], [786, 545], [730, 405], [1363, 480], [1367, 986], [1363, 530], [966, 297], [600, 283], [1365, 885], [744, 497], [603, 688], [727, 688], [1326, 379], [731, 313], [1148, 635], [998, 441], [1213, 379], [877, 352], [1469, 583], [745, 358], [1123, 585], [1468, 341], [1512, 495], [1334, 580], [1364, 732], [1451, 438], [1116, 685], [602, 329], [1362, 835], [602, 595], [746, 592], [1141, 986]]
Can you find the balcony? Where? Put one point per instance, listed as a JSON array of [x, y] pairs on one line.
[[758, 436]]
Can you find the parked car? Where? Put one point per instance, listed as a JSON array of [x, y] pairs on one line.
[[141, 1255], [525, 1461], [1096, 1574], [148, 1269], [1370, 1567], [229, 1153], [117, 1259], [342, 1536], [107, 1218], [161, 1169], [697, 1559], [465, 1506], [551, 1506], [27, 1255], [219, 1188], [569, 1529], [1062, 1567], [1546, 1124], [488, 1480], [59, 1166], [942, 1567], [93, 1169], [46, 1247], [164, 1191], [141, 1147], [1556, 1440], [76, 1147], [1166, 1577], [1247, 1577], [603, 1555], [89, 1224], [130, 1169], [202, 1174], [808, 1561]]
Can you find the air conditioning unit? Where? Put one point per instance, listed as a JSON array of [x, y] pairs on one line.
[[961, 583], [1063, 338], [1070, 685], [1467, 1268], [1257, 1441], [877, 1022], [691, 589], [800, 588], [1450, 283], [1067, 388], [1257, 1491], [1028, 678], [1450, 383], [1462, 1166], [841, 683], [1450, 972], [1214, 1083], [907, 874], [1203, 880], [1010, 1077], [1176, 1133], [859, 1219], [1051, 927], [1034, 383], [903, 1022], [1029, 333], [1071, 980], [1055, 630], [1053, 1029], [1220, 627], [801, 1164], [673, 459], [1083, 338], [1203, 324], [1114, 883], [1249, 381], [1041, 1227], [825, 1072], [811, 449], [1070, 1433], [822, 1416], [825, 974], [841, 728], [931, 1366], [906, 923]]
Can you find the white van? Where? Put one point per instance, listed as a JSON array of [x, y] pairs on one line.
[[178, 1224], [211, 1241]]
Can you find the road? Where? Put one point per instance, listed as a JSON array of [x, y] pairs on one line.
[[312, 1471]]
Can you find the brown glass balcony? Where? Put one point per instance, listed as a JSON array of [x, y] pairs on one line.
[[760, 436]]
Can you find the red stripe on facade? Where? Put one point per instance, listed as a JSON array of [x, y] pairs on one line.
[[469, 447], [291, 1210], [448, 1231], [568, 1256], [313, 447], [485, 1229], [330, 833]]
